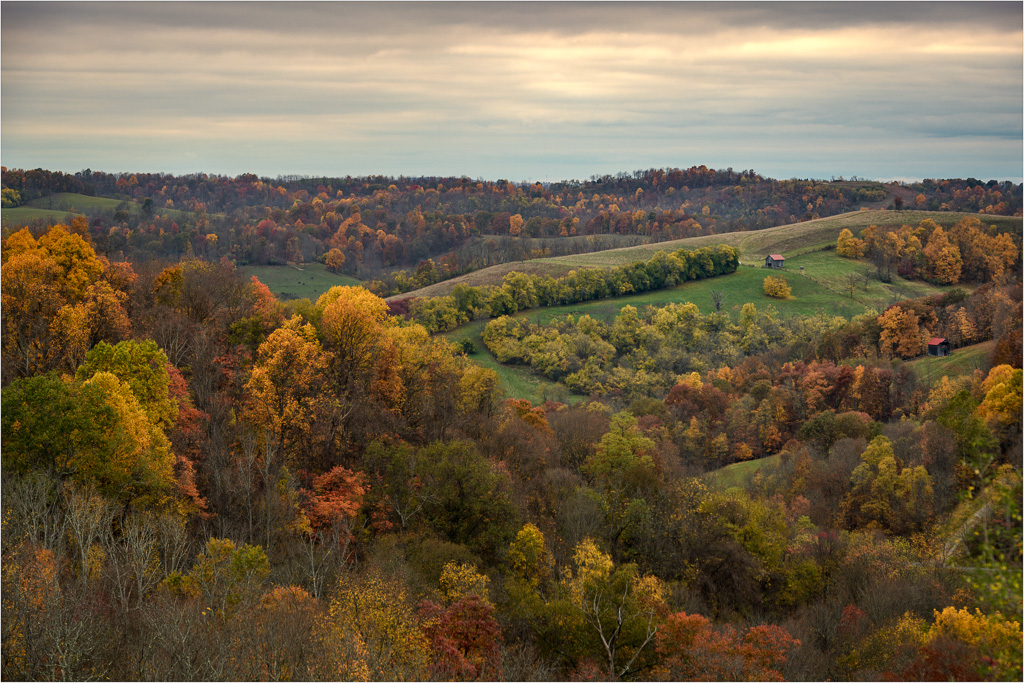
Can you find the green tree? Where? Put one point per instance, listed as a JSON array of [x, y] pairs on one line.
[[886, 494], [91, 432], [620, 607], [143, 367]]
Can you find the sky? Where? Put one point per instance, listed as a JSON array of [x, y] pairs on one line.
[[518, 91]]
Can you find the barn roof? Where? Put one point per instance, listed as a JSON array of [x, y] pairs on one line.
[[777, 257], [935, 341]]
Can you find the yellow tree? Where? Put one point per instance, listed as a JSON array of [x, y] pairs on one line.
[[59, 299], [1001, 406], [515, 223], [943, 258], [776, 287], [335, 260], [288, 401], [372, 632], [849, 246], [900, 333]]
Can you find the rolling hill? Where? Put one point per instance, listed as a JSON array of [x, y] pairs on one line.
[[789, 240]]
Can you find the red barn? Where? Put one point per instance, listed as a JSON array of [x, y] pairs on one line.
[[938, 346]]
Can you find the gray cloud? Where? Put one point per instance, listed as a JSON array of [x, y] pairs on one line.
[[520, 90]]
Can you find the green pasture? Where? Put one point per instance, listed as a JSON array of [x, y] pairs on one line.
[[60, 206], [517, 381], [962, 361], [21, 216], [821, 287], [739, 474], [307, 281]]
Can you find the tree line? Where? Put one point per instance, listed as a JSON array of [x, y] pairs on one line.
[[522, 291], [381, 224]]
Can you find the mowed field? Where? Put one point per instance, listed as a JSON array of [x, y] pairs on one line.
[[962, 361], [739, 474], [307, 281], [61, 206], [790, 240]]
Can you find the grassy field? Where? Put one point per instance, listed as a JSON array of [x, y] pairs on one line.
[[791, 240], [59, 206], [822, 286], [818, 289], [517, 381], [739, 474], [962, 361], [21, 216], [307, 281]]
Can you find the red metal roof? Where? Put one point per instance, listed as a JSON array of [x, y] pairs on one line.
[[935, 341], [777, 257]]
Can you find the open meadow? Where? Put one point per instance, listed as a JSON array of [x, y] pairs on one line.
[[306, 281], [62, 205]]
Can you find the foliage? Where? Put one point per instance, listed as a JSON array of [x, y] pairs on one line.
[[886, 494], [59, 299], [694, 649], [94, 431], [777, 287], [372, 632], [520, 291]]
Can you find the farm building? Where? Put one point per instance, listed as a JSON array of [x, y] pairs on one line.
[[938, 346], [774, 261]]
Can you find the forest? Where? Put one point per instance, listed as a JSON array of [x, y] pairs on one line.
[[202, 480]]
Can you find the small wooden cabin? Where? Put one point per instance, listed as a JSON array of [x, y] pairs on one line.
[[774, 261], [938, 346]]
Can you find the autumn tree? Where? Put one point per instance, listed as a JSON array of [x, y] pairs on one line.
[[363, 372], [144, 368], [849, 246], [288, 401], [331, 508], [695, 649], [776, 287], [372, 632], [515, 225], [335, 260], [943, 258], [224, 576], [900, 333], [94, 431], [618, 605], [886, 494], [59, 299]]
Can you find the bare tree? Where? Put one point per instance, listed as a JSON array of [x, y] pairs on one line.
[[89, 517], [717, 300]]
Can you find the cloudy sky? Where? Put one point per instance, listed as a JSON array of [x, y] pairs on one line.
[[524, 91]]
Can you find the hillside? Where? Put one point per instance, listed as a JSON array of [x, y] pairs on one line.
[[789, 240], [58, 206]]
